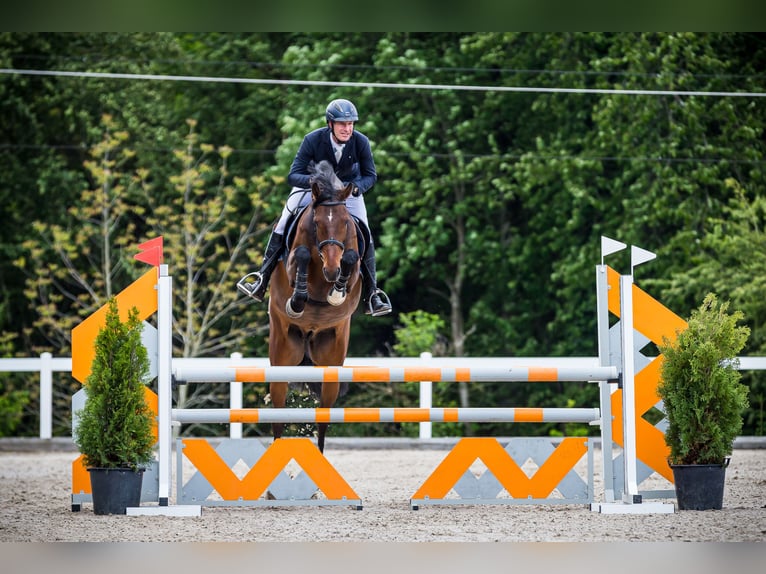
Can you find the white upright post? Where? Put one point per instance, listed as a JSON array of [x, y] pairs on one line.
[[630, 491], [605, 391], [426, 400], [608, 247], [165, 405], [164, 378], [46, 395], [235, 401], [632, 502]]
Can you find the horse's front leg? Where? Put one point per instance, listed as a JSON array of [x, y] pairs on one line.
[[340, 289], [297, 303]]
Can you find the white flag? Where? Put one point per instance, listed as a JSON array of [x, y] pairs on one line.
[[609, 246], [639, 256]]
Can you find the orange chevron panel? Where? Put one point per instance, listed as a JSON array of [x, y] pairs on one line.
[[650, 317], [80, 476], [503, 467], [140, 294], [254, 484], [654, 321]]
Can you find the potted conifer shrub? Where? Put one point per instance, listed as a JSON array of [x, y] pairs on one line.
[[704, 400], [114, 428]]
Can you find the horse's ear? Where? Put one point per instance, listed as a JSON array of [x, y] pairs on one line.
[[347, 191], [315, 191]]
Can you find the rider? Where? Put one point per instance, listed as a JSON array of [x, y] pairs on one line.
[[349, 152]]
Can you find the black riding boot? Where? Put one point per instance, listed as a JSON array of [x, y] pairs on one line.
[[376, 301], [257, 288]]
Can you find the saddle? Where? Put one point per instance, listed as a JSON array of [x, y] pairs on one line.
[[363, 235]]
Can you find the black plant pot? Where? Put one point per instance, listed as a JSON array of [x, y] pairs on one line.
[[699, 486], [115, 489]]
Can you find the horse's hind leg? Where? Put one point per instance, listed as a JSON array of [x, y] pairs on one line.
[[328, 347], [286, 347], [327, 399], [278, 392]]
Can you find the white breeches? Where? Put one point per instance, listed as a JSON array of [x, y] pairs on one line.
[[299, 197]]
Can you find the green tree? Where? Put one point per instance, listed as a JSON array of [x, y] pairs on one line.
[[114, 429], [420, 332], [76, 265], [700, 385], [212, 222], [489, 205]]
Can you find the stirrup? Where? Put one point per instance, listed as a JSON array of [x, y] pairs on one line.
[[383, 299], [249, 288]]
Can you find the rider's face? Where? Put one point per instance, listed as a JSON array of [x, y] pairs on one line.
[[342, 131]]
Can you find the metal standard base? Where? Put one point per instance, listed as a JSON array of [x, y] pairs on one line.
[[642, 508], [416, 503], [274, 503], [185, 510]]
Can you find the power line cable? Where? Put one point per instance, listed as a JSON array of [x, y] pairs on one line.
[[508, 156], [382, 85], [96, 58]]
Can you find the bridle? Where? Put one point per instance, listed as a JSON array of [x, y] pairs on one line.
[[331, 240]]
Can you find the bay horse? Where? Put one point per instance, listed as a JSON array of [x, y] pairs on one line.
[[314, 294]]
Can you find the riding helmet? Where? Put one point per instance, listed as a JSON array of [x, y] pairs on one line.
[[341, 111]]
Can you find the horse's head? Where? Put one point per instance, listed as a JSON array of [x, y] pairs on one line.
[[334, 226]]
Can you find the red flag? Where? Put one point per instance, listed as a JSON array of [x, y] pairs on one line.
[[151, 252]]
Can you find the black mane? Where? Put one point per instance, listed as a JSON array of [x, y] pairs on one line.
[[323, 175]]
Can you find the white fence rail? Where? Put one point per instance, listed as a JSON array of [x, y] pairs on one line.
[[46, 365]]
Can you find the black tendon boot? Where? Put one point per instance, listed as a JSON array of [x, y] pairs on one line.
[[256, 289], [377, 302]]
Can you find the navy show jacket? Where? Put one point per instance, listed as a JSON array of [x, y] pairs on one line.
[[356, 164]]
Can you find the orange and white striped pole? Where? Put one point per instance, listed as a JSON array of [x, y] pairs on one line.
[[387, 415], [393, 374]]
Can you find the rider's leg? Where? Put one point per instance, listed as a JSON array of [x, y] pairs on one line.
[[376, 300], [257, 289]]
